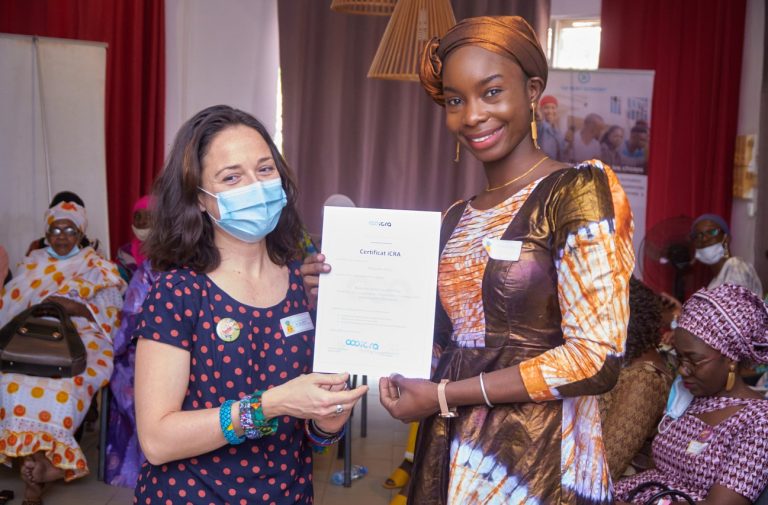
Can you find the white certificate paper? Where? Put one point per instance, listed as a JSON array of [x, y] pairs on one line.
[[376, 308]]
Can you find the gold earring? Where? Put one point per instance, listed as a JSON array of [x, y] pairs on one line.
[[534, 132], [458, 152], [731, 378]]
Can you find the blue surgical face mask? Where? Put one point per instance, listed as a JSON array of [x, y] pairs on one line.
[[56, 255], [677, 403], [250, 213]]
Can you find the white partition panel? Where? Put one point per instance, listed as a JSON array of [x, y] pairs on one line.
[[51, 134]]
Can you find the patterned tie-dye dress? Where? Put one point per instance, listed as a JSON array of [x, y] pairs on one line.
[[560, 312], [41, 413]]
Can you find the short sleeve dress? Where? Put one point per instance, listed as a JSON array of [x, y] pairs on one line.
[[188, 310]]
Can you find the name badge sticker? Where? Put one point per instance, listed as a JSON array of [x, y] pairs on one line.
[[695, 447], [297, 323], [504, 250]]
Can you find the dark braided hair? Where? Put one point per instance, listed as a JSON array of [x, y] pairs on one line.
[[643, 332]]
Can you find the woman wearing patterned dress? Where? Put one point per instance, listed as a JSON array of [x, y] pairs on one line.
[[716, 450], [222, 382], [527, 338], [39, 415]]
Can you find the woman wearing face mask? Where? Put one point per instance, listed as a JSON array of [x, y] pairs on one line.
[[713, 440], [711, 238], [526, 340], [226, 408], [63, 196], [39, 415], [130, 256]]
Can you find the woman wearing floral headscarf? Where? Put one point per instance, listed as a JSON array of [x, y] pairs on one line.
[[39, 415], [713, 440]]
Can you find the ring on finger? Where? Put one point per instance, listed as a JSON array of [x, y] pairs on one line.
[[339, 410]]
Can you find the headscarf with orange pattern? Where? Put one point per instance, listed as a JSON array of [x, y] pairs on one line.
[[67, 210], [509, 36]]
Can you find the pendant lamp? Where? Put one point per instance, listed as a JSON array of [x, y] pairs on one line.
[[412, 25], [369, 7]]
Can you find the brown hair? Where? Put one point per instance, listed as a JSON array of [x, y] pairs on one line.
[[181, 234]]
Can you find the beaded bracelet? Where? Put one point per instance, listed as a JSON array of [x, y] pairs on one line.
[[227, 427], [246, 419], [260, 424], [320, 437]]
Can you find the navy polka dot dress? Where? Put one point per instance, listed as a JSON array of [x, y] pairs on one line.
[[183, 309]]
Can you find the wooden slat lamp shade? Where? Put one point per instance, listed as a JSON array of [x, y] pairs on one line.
[[413, 23], [368, 7]]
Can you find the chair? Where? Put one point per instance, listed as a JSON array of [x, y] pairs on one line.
[[103, 425], [345, 444]]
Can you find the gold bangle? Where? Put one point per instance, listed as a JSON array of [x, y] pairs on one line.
[[444, 410]]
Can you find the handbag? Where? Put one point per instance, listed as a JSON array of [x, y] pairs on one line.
[[42, 341], [665, 491]]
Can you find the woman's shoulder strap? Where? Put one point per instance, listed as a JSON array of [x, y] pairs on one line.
[[450, 220]]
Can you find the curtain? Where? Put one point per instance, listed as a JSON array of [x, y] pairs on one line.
[[695, 48], [382, 143], [135, 87], [198, 33], [761, 239]]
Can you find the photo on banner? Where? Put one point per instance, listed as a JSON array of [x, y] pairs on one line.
[[605, 115]]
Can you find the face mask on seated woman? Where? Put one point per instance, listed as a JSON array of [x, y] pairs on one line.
[[711, 254], [72, 252]]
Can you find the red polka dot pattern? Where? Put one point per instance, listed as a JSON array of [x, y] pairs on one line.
[[183, 310]]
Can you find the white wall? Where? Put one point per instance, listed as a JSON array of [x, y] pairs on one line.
[[742, 214], [575, 8]]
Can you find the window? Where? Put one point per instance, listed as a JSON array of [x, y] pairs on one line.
[[574, 43]]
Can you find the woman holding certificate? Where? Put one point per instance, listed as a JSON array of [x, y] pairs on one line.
[[533, 288], [226, 408]]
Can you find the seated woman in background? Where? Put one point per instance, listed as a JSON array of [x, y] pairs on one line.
[[631, 410], [62, 196], [713, 439], [711, 238], [38, 415], [129, 256]]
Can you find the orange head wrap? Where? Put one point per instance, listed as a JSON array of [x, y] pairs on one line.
[[509, 36]]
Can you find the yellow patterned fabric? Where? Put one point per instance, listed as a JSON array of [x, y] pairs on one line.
[[40, 413], [560, 313]]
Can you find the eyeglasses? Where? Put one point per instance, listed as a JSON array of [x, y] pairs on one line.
[[687, 366], [703, 235], [69, 231]]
